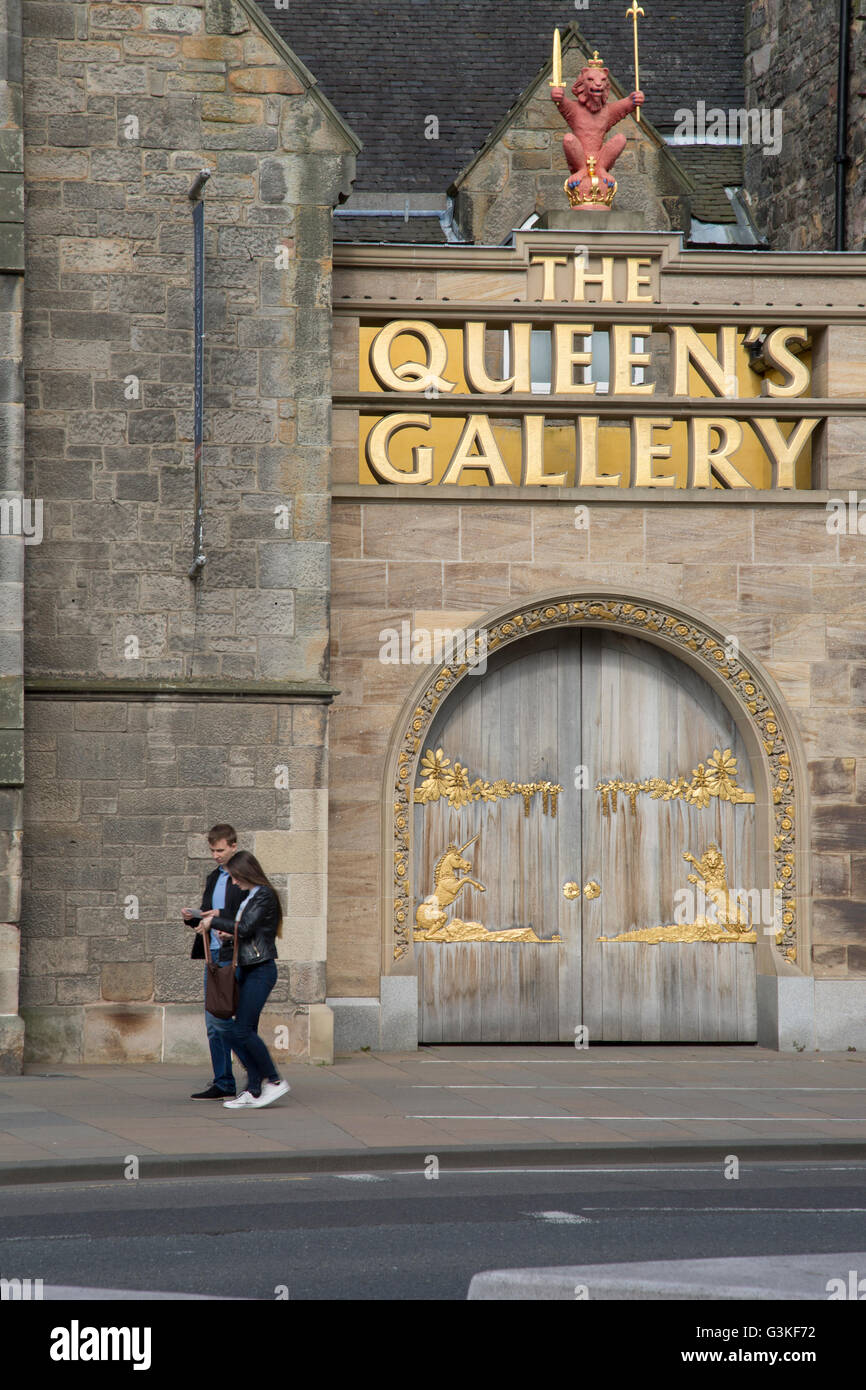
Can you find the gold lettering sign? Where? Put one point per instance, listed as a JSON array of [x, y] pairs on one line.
[[534, 450], [539, 391]]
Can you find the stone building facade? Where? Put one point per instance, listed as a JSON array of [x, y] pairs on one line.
[[158, 705], [484, 553], [792, 61], [151, 705], [14, 526]]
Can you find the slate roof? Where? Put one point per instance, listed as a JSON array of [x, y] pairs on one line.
[[388, 66], [422, 231], [712, 168]]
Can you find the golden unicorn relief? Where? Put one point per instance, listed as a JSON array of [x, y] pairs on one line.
[[431, 922], [446, 887]]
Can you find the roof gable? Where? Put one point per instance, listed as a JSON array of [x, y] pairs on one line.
[[389, 66], [286, 54], [573, 45]]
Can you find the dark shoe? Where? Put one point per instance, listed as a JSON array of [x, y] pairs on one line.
[[212, 1093]]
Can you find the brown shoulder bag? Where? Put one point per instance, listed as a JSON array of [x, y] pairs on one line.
[[221, 991]]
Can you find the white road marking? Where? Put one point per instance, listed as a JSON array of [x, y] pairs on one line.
[[359, 1177], [576, 1086], [798, 1211], [560, 1218], [616, 1061], [673, 1119], [660, 1169]]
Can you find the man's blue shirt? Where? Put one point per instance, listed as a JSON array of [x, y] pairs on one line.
[[218, 901]]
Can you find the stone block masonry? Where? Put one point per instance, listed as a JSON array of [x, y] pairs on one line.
[[119, 120], [792, 55], [158, 705], [120, 796], [12, 546]]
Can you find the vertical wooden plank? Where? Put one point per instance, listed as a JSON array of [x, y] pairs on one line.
[[509, 994], [429, 993], [649, 986], [628, 988], [747, 1004], [595, 831], [490, 990], [568, 865], [670, 1002], [466, 965], [726, 991], [511, 863], [688, 965], [528, 1002], [528, 832]]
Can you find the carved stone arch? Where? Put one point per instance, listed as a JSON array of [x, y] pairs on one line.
[[750, 694]]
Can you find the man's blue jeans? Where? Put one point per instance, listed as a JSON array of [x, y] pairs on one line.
[[256, 983], [220, 1047]]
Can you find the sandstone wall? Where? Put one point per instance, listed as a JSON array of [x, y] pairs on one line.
[[125, 103], [12, 545], [792, 65]]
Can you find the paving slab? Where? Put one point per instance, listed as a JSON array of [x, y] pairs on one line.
[[526, 1104], [798, 1277]]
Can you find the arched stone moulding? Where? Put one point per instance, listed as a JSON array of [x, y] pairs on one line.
[[750, 694]]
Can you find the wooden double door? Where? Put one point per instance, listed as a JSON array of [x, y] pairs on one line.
[[514, 760]]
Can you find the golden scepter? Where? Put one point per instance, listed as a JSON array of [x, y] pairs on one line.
[[556, 80], [633, 13]]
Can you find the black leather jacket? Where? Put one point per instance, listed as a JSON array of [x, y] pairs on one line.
[[257, 929], [234, 898]]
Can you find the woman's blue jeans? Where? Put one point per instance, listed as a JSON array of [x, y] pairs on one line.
[[256, 983]]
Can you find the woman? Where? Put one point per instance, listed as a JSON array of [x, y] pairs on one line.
[[259, 922]]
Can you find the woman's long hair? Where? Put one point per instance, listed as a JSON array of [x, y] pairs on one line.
[[245, 865]]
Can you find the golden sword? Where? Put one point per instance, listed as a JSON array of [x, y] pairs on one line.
[[556, 80]]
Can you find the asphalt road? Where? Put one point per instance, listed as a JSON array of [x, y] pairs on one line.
[[406, 1236]]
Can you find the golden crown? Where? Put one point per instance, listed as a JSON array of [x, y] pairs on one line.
[[595, 61], [598, 196]]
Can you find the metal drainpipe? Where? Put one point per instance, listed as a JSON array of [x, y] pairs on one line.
[[841, 160]]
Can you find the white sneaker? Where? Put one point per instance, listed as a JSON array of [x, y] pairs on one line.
[[241, 1102], [272, 1090]]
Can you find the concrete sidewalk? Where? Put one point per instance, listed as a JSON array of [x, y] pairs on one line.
[[762, 1277], [482, 1104]]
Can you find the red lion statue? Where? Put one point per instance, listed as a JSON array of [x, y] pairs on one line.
[[589, 155]]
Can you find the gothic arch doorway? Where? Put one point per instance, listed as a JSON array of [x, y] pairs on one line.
[[594, 784]]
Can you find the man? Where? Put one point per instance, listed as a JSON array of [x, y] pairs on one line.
[[225, 897]]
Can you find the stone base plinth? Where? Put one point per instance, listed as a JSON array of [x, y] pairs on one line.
[[389, 1024], [175, 1033], [356, 1024], [576, 220], [11, 1044], [786, 1012]]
